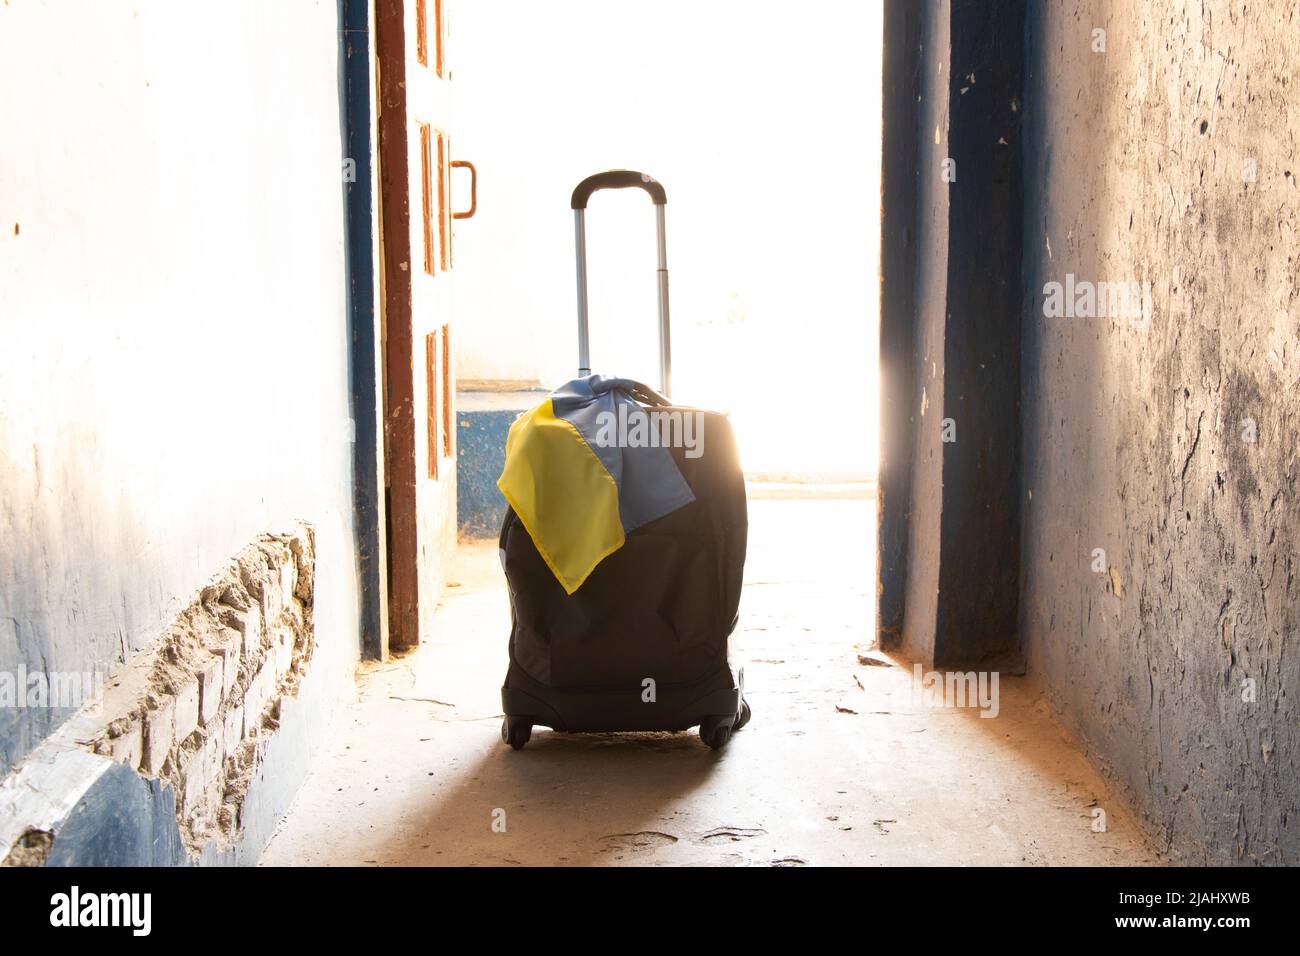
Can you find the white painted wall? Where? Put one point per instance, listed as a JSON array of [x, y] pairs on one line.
[[173, 346], [762, 121]]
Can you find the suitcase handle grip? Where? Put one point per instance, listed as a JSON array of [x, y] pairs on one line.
[[622, 179], [648, 396], [618, 179]]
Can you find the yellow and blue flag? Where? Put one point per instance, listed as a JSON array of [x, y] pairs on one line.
[[577, 492]]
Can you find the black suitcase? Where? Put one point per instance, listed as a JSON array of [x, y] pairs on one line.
[[642, 644]]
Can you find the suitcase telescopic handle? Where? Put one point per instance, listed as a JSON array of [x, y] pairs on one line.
[[621, 179]]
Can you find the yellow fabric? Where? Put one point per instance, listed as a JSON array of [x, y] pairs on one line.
[[562, 493]]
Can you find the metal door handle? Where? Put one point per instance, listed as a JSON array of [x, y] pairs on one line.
[[473, 188]]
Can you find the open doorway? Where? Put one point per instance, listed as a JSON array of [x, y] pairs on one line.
[[761, 120]]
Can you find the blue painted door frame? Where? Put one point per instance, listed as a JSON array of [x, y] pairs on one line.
[[357, 78]]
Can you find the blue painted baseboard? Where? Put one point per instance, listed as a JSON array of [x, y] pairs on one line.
[[483, 420]]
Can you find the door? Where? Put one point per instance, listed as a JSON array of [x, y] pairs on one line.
[[416, 251]]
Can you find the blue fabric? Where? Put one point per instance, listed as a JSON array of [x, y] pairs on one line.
[[649, 483]]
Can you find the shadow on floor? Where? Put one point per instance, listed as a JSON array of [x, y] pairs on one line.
[[841, 764]]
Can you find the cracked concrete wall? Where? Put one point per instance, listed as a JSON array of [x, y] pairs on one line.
[[1169, 157], [174, 323]]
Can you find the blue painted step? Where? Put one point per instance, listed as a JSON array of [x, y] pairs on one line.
[[483, 419]]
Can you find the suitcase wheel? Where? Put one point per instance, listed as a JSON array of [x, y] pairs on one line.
[[716, 731], [516, 731]]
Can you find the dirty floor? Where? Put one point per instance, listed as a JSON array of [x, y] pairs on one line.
[[840, 765]]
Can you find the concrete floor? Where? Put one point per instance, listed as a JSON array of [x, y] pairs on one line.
[[839, 766]]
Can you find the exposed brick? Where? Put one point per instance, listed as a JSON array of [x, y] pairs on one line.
[[209, 689], [281, 650], [195, 739], [193, 785], [230, 644], [128, 748], [213, 756], [261, 689], [187, 710], [302, 589], [233, 727], [288, 576], [251, 630], [272, 599], [228, 816], [159, 730], [278, 586], [203, 775]]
